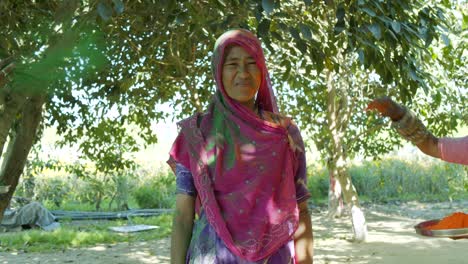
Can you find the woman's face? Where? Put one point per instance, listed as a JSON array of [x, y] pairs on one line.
[[241, 75]]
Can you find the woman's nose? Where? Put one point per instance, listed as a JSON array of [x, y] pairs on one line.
[[242, 68]]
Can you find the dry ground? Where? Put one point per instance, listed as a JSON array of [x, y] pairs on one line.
[[391, 240]]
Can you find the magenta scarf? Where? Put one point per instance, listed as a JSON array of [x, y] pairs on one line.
[[243, 167]]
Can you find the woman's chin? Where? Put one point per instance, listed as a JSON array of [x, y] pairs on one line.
[[243, 99]]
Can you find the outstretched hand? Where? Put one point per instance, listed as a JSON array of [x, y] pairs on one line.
[[6, 67], [387, 107]]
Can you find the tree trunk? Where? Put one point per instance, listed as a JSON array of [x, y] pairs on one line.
[[335, 200], [97, 201], [10, 105], [351, 198], [19, 146], [338, 117]]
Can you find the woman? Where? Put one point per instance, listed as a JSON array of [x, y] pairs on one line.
[[241, 166], [453, 150]]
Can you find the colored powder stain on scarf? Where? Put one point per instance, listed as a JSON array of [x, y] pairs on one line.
[[453, 221]]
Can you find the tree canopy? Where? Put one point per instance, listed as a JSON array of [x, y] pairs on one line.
[[99, 68]]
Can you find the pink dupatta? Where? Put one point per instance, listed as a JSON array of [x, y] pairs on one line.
[[243, 167]]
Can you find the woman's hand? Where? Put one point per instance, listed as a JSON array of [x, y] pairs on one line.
[[387, 107]]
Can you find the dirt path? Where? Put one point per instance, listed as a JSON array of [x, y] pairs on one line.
[[391, 240]]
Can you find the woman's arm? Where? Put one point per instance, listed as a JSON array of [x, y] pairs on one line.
[[182, 225], [430, 146], [389, 108], [303, 238]]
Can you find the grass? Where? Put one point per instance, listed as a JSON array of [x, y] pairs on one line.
[[70, 235]]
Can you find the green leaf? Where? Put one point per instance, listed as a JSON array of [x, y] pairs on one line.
[[294, 33], [264, 27], [376, 31], [446, 40], [126, 84], [410, 29], [339, 27], [268, 6], [370, 12], [396, 26], [104, 10], [306, 32], [385, 20], [300, 44], [222, 3], [205, 32], [413, 75], [118, 6], [465, 22], [65, 10], [5, 44], [429, 39], [308, 2], [393, 36], [437, 98], [287, 71], [181, 18], [377, 4], [276, 35], [340, 12], [267, 42], [361, 56]]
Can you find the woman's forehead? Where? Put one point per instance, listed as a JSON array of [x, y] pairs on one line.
[[236, 52]]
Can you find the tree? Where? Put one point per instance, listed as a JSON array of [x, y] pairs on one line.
[[113, 64], [43, 38], [349, 52]]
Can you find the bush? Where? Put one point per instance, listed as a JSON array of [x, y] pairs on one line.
[[394, 179], [158, 193], [53, 189], [317, 182]]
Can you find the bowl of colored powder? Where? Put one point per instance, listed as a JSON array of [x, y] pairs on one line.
[[453, 226]]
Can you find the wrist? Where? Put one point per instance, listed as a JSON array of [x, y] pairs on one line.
[[398, 114], [411, 128]]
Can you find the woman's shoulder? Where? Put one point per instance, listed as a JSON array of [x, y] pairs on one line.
[[191, 121], [294, 135], [280, 119]]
